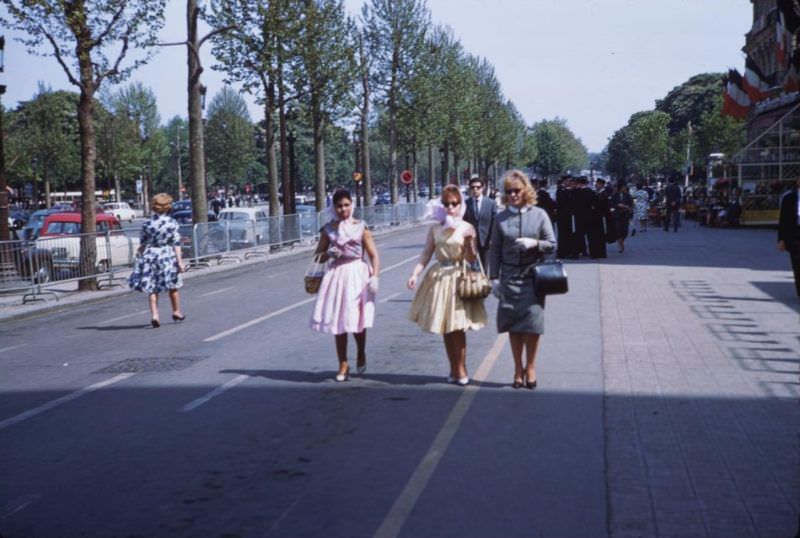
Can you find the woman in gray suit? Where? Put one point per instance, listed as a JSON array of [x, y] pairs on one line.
[[521, 236]]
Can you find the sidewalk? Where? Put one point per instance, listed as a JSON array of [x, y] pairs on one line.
[[701, 348]]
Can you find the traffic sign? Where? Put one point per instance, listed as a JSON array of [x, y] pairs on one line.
[[357, 176], [407, 177]]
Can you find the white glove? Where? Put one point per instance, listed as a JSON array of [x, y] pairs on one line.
[[372, 285], [527, 243], [496, 289]]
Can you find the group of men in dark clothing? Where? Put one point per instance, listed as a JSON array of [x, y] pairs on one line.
[[585, 217]]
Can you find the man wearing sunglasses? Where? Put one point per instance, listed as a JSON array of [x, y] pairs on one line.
[[480, 212]]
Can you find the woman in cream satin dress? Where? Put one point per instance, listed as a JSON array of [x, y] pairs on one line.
[[437, 308]]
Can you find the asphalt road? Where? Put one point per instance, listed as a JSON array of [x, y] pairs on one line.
[[230, 424]]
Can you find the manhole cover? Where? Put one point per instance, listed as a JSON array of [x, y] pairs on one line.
[[138, 365]]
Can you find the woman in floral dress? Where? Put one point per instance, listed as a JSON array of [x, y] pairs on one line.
[[158, 262], [641, 208]]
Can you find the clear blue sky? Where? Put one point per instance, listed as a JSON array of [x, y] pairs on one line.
[[591, 62]]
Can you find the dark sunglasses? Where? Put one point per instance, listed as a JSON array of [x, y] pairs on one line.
[[451, 204], [513, 191], [476, 186]]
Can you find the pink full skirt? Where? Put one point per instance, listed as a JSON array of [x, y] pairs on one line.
[[344, 304]]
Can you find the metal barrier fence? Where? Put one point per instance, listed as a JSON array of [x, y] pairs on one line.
[[29, 265]]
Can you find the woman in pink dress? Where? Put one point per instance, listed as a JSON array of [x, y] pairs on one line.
[[346, 300]]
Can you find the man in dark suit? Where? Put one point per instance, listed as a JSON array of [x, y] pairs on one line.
[[543, 198], [480, 212], [672, 201], [789, 230], [565, 217]]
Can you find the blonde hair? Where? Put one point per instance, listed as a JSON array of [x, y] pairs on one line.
[[528, 194], [161, 202]]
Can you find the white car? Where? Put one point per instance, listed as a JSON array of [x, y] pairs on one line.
[[246, 226], [121, 210]]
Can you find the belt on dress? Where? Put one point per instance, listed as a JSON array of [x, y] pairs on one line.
[[448, 263]]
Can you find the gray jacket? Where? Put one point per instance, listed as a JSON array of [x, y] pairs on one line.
[[511, 224]]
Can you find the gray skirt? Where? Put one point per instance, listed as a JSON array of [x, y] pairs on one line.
[[519, 310]]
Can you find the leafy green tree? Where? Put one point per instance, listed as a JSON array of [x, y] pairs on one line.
[[90, 39], [557, 148], [137, 115], [46, 133], [250, 53], [690, 101], [230, 138], [395, 32], [650, 145], [324, 74]]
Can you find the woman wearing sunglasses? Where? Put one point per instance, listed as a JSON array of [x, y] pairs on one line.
[[522, 235], [437, 308]]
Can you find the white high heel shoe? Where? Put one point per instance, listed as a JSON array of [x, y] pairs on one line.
[[343, 377]]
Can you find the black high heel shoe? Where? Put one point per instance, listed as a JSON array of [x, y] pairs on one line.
[[178, 318], [155, 323]]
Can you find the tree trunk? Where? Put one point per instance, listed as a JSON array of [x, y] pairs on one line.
[[456, 162], [430, 171], [319, 155], [47, 200], [117, 188], [445, 164], [393, 129], [88, 248], [269, 141], [367, 179], [414, 173], [287, 179], [197, 165]]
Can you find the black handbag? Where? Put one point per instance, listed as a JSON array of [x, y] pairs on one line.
[[550, 278]]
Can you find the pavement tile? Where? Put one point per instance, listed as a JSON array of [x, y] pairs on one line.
[[695, 377]]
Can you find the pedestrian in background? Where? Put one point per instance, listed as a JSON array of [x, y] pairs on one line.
[[480, 212], [622, 207], [641, 208], [436, 307], [672, 201], [159, 264], [346, 298], [789, 230], [565, 215], [522, 235]]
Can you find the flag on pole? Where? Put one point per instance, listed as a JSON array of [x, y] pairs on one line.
[[754, 82], [736, 102]]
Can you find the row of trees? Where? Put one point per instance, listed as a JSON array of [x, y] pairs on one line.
[[401, 85], [677, 136]]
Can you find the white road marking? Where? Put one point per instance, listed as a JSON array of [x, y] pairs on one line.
[[191, 406], [59, 401], [215, 292], [265, 317], [258, 320], [389, 298], [9, 348], [112, 320], [404, 504]]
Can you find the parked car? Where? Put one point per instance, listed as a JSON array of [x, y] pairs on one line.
[[30, 262], [307, 215], [31, 229], [246, 225], [121, 210], [60, 233]]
